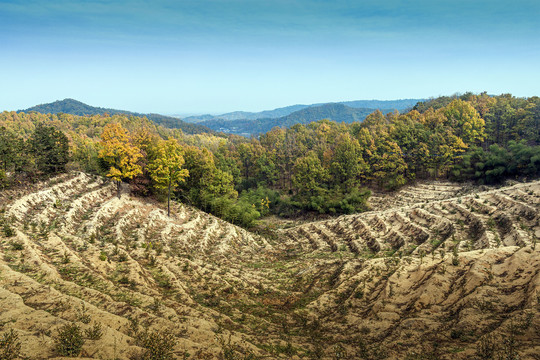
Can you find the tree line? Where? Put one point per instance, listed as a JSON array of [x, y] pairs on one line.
[[321, 167], [45, 151]]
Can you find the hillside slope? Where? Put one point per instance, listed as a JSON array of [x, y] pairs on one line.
[[334, 111], [382, 284], [246, 115], [74, 107], [399, 105]]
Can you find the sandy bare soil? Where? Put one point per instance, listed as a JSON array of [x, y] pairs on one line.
[[437, 271]]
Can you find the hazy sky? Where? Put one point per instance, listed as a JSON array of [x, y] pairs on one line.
[[193, 56]]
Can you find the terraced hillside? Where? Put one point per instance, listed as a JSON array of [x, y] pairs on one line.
[[452, 278], [422, 192], [489, 219]]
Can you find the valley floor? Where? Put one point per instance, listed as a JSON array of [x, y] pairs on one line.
[[435, 271]]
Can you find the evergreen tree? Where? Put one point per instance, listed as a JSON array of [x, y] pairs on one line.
[[8, 149], [50, 149]]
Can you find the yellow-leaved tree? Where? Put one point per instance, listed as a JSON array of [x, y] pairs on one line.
[[465, 121], [166, 169], [120, 153]]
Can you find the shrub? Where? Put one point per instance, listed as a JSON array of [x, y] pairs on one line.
[[10, 346], [159, 345], [237, 211], [455, 256], [336, 202], [57, 204], [486, 348], [17, 245], [231, 351], [7, 229], [95, 332], [265, 200], [69, 341], [4, 181], [82, 314]]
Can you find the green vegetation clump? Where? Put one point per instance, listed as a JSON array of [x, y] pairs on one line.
[[159, 345], [69, 341], [17, 246], [7, 230], [10, 346], [455, 256], [95, 332]]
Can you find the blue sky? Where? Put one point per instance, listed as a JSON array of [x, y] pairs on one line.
[[195, 56]]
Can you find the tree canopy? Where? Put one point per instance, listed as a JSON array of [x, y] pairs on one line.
[[119, 152], [166, 167], [323, 166]]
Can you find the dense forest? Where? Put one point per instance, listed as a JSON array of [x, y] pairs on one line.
[[321, 167]]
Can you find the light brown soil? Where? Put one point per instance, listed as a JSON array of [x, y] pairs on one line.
[[426, 279]]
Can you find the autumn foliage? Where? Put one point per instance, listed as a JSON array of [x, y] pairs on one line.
[[322, 167], [166, 167], [120, 154]]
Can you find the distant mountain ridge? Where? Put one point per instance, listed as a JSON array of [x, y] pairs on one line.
[[245, 115], [333, 111], [399, 105], [74, 107], [242, 122]]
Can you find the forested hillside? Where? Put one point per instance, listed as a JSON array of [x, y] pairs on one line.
[[334, 111], [74, 107], [321, 167], [245, 115], [399, 105], [438, 270]]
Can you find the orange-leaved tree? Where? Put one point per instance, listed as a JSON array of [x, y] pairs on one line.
[[166, 169], [120, 153]]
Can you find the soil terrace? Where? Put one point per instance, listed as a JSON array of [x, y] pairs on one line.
[[435, 270]]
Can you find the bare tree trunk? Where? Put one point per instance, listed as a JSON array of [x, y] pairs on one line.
[[118, 188], [169, 201]]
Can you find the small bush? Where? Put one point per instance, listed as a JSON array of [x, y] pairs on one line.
[[10, 346], [455, 256], [57, 204], [17, 245], [336, 202], [82, 314], [69, 341], [231, 351], [65, 258], [4, 181], [8, 230], [95, 332], [159, 345], [486, 348], [163, 281]]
